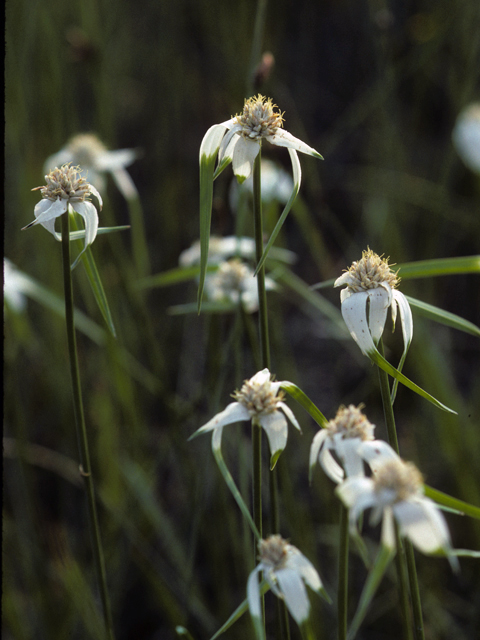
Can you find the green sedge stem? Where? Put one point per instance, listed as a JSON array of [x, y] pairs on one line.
[[256, 50], [405, 560], [343, 575], [139, 238], [85, 468]]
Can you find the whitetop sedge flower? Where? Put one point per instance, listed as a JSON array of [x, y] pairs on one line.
[[238, 140], [277, 185], [343, 435], [466, 136], [233, 283], [371, 284], [287, 571], [86, 150], [67, 190], [13, 287], [396, 491], [261, 400]]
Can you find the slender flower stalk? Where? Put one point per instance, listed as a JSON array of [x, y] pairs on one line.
[[85, 468]]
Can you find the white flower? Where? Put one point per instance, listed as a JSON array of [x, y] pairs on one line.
[[13, 287], [277, 185], [234, 282], [287, 571], [343, 435], [396, 491], [238, 140], [466, 136], [66, 190], [260, 400], [86, 150], [371, 284]]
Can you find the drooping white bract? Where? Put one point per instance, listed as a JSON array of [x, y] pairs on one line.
[[67, 190], [371, 286], [287, 571], [260, 400], [238, 140], [343, 435], [396, 491], [87, 151]]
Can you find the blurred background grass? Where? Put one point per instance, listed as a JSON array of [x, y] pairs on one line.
[[376, 88]]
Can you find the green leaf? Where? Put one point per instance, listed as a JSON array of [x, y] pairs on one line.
[[465, 552], [383, 559], [305, 401], [239, 611], [439, 267], [297, 178], [207, 165], [80, 234], [444, 317], [452, 503], [380, 361]]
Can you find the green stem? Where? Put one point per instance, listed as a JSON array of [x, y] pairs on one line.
[[405, 560], [258, 30], [85, 468], [262, 295], [343, 575]]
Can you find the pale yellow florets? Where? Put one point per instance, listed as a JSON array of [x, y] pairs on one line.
[[259, 120], [370, 272], [273, 552], [85, 149], [258, 398], [350, 422], [403, 478], [65, 183], [231, 276]]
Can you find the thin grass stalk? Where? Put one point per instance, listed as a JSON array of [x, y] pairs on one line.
[[404, 560], [256, 50], [81, 430], [342, 603]]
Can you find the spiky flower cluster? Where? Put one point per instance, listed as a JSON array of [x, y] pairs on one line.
[[401, 478], [370, 272], [259, 120], [350, 422], [86, 148], [66, 183], [259, 396], [273, 552]]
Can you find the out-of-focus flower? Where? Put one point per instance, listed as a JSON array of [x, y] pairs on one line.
[[86, 150], [261, 401], [287, 571], [277, 185], [343, 435], [238, 140], [14, 284], [396, 491], [234, 282], [67, 190], [466, 136], [371, 285]]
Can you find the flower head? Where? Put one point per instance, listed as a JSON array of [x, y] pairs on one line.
[[343, 435], [233, 283], [287, 571], [396, 491], [86, 150], [261, 401], [67, 190], [238, 140], [371, 284]]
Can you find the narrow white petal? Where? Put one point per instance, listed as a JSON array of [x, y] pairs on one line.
[[289, 413], [379, 301], [275, 426], [347, 450], [405, 317], [211, 141], [316, 445], [113, 160], [234, 412], [125, 184], [253, 593], [294, 594], [331, 467], [261, 377], [283, 138], [354, 312], [296, 169], [344, 279], [422, 522], [244, 155], [304, 568], [388, 529], [47, 210], [376, 453], [229, 141], [217, 439], [90, 215]]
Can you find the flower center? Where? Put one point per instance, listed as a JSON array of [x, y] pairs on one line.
[[370, 272], [401, 477], [259, 398], [273, 552], [259, 120], [350, 422], [85, 148], [66, 183], [232, 274]]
